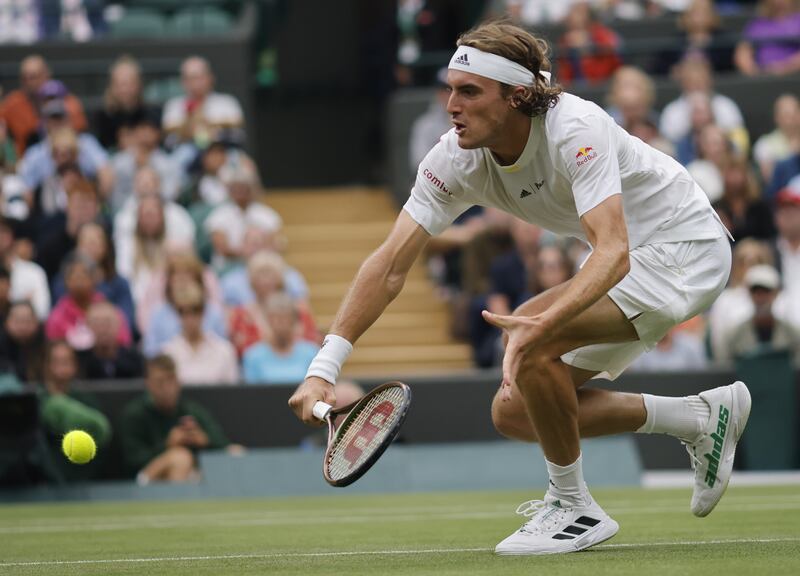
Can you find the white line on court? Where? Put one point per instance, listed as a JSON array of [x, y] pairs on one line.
[[372, 553]]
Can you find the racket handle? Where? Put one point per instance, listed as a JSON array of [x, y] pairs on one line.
[[321, 410]]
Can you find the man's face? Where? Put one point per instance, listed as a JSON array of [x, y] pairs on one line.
[[63, 367], [196, 79], [104, 324], [21, 323], [33, 74], [478, 109], [762, 298], [787, 219], [164, 389], [81, 208]]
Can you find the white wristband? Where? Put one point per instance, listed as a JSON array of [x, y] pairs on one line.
[[328, 362]]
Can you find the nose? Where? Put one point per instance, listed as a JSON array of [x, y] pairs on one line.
[[453, 104]]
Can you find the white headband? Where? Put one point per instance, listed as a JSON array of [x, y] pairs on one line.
[[474, 61]]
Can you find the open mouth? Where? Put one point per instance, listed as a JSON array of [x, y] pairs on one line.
[[460, 127]]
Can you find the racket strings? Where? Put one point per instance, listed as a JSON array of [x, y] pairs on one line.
[[357, 440]]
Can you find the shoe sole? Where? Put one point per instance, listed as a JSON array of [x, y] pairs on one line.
[[608, 531], [740, 413]]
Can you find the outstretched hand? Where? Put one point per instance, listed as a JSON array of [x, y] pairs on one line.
[[523, 333]]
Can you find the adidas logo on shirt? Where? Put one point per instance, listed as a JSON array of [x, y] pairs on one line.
[[524, 193], [463, 60]]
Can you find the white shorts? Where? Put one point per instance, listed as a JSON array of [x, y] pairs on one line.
[[668, 283]]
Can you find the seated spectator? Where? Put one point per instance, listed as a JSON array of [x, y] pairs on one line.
[[123, 105], [200, 112], [59, 234], [588, 50], [249, 324], [107, 359], [785, 170], [143, 150], [714, 151], [40, 161], [144, 229], [228, 222], [631, 97], [678, 351], [700, 36], [431, 125], [767, 327], [94, 243], [162, 432], [701, 115], [163, 323], [779, 144], [20, 109], [236, 287], [733, 305], [201, 357], [769, 41], [224, 152], [694, 75], [68, 319], [28, 280], [63, 409], [284, 358], [22, 343], [746, 213], [787, 244]]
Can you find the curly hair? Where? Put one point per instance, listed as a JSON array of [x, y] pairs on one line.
[[520, 46]]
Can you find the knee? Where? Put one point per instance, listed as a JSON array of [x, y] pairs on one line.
[[180, 457], [512, 422]]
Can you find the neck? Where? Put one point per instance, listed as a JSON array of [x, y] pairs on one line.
[[511, 144], [105, 350], [282, 344], [194, 339]]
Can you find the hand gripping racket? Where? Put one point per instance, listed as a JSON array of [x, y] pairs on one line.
[[371, 424]]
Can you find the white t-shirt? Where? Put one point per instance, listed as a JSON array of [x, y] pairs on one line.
[[29, 282], [218, 109], [675, 121], [576, 157], [234, 221]]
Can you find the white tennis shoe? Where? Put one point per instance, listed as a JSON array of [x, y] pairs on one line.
[[556, 526], [712, 453]]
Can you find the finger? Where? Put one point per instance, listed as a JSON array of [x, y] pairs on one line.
[[496, 319]]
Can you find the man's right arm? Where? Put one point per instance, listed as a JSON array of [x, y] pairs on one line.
[[379, 280]]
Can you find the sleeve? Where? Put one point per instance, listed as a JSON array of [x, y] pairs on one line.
[[435, 200], [173, 116], [138, 445], [60, 414], [40, 294], [588, 153]]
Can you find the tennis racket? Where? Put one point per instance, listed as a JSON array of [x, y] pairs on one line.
[[371, 424]]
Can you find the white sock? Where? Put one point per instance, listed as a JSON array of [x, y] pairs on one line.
[[683, 417], [566, 482]]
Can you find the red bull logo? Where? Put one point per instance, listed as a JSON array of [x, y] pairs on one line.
[[584, 155]]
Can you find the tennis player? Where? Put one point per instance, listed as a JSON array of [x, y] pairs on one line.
[[659, 256]]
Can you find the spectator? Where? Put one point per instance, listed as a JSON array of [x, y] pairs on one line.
[[631, 97], [5, 294], [694, 75], [734, 304], [144, 228], [59, 234], [283, 359], [249, 324], [64, 410], [769, 41], [744, 212], [767, 326], [701, 115], [227, 223], [123, 105], [588, 50], [163, 323], [787, 245], [785, 170], [22, 343], [200, 112], [143, 150], [68, 319], [236, 287], [201, 357], [714, 152], [42, 160], [28, 280], [778, 144], [50, 197], [94, 243], [162, 432], [677, 351], [224, 152], [107, 359], [19, 26], [428, 128], [20, 109], [700, 36]]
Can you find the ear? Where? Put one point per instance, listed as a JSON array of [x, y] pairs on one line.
[[517, 96]]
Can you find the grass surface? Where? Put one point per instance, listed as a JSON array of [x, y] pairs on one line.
[[753, 531]]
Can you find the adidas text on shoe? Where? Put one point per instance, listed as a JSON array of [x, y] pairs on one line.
[[712, 453], [557, 527]]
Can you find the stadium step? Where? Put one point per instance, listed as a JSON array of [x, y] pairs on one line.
[[329, 233]]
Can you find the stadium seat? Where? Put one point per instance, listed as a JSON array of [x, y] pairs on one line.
[[201, 20], [139, 22]]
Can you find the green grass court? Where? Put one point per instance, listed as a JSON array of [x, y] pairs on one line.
[[753, 531]]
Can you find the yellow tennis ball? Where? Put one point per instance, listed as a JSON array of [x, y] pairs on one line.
[[78, 447]]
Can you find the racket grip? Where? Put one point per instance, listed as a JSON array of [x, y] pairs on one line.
[[321, 410]]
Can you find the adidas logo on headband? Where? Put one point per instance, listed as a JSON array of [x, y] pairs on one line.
[[463, 60]]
